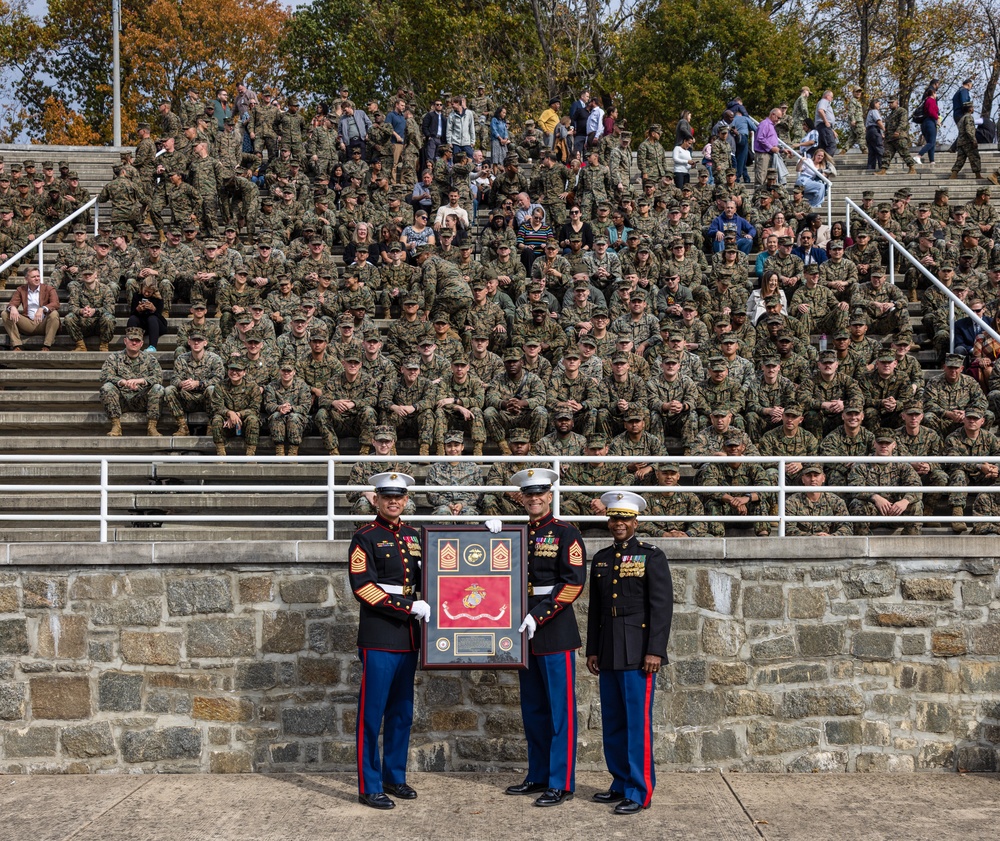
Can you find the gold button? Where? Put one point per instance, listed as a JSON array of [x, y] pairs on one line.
[[643, 624], [616, 569], [614, 595], [614, 580], [618, 554]]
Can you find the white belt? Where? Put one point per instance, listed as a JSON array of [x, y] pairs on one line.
[[540, 591], [396, 590]]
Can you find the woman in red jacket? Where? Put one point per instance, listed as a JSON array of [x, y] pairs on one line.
[[929, 124]]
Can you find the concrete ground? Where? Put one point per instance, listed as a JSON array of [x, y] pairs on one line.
[[721, 807]]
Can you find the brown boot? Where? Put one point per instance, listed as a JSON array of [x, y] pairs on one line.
[[81, 347], [958, 511], [116, 428], [279, 449], [504, 448], [881, 171], [912, 170], [992, 178], [364, 450], [333, 451], [953, 176], [425, 450], [477, 448], [439, 449], [220, 449], [912, 528], [251, 450], [293, 449], [151, 429], [103, 348], [182, 427]]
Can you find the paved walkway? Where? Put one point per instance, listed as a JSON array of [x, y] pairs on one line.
[[720, 807]]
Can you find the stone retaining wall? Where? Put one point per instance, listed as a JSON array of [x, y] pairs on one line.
[[802, 654]]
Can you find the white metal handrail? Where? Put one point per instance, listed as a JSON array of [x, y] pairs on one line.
[[894, 246], [332, 489], [39, 241], [820, 175]]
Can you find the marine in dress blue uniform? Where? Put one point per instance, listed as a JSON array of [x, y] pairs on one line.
[[628, 625], [557, 562], [384, 562]]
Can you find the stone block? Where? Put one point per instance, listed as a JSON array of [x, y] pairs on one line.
[[256, 676], [948, 642], [60, 697], [936, 755], [820, 640], [825, 701], [13, 636], [307, 721], [159, 648], [12, 704], [913, 645], [976, 758], [221, 638], [343, 635], [980, 677], [317, 671], [928, 589], [717, 747], [779, 648], [684, 644], [741, 703], [722, 638], [883, 763], [283, 633], [9, 602], [161, 745], [101, 648], [873, 645], [931, 678], [94, 585], [984, 639], [690, 672], [502, 723], [843, 732], [254, 589], [987, 565], [901, 616], [695, 708], [480, 749], [127, 612], [819, 762], [807, 602], [977, 593], [221, 709], [768, 738], [230, 762], [763, 602], [119, 691], [284, 752], [88, 740], [446, 721], [33, 741], [443, 692], [728, 674], [874, 582], [202, 594], [716, 591], [312, 590], [43, 591], [933, 717], [799, 673], [62, 636], [891, 705], [185, 682]]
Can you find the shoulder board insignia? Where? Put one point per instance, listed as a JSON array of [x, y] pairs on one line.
[[576, 554], [359, 560]]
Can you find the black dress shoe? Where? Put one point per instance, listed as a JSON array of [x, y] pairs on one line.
[[400, 790], [527, 787], [629, 807], [376, 801], [553, 797], [609, 796]]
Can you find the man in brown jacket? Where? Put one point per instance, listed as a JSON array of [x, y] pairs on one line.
[[33, 310]]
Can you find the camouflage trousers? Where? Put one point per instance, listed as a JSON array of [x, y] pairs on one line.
[[819, 422], [181, 403], [250, 429], [456, 308], [421, 423], [500, 505], [146, 399], [79, 326], [574, 506], [855, 134], [970, 153], [445, 511], [448, 418], [895, 147], [682, 426], [960, 479], [332, 424], [204, 290], [588, 421], [208, 215], [866, 508], [716, 508], [831, 322], [165, 287], [555, 213], [498, 422], [287, 429]]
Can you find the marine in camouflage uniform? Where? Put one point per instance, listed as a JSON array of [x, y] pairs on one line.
[[764, 395], [507, 503], [126, 200], [359, 419], [453, 396], [863, 504], [99, 298], [730, 476], [662, 507], [143, 396], [569, 388], [635, 441], [599, 473], [454, 473], [236, 402], [855, 123], [826, 504], [897, 138], [884, 391], [207, 373], [971, 440], [717, 391], [548, 187], [383, 441], [652, 158], [789, 439], [829, 386], [287, 425], [953, 392], [444, 288], [966, 145], [207, 176], [672, 404], [516, 399], [849, 439], [412, 389], [875, 298]]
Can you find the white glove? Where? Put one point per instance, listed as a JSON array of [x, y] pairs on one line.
[[495, 526], [421, 610], [529, 624]]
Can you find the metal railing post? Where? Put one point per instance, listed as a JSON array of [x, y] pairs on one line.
[[951, 326], [331, 497], [555, 495], [104, 500], [847, 220], [781, 497], [892, 265], [41, 260], [97, 218], [829, 206]]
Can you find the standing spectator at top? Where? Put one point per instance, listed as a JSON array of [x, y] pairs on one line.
[[610, 120], [397, 123], [548, 121], [826, 124], [595, 123], [354, 128], [958, 100], [743, 125], [684, 127], [499, 139], [875, 135], [765, 146], [737, 107], [800, 112], [245, 102], [461, 126], [929, 124], [578, 115], [434, 128], [222, 110]]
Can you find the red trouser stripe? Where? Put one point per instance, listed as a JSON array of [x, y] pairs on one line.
[[647, 747], [571, 722], [361, 723]]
